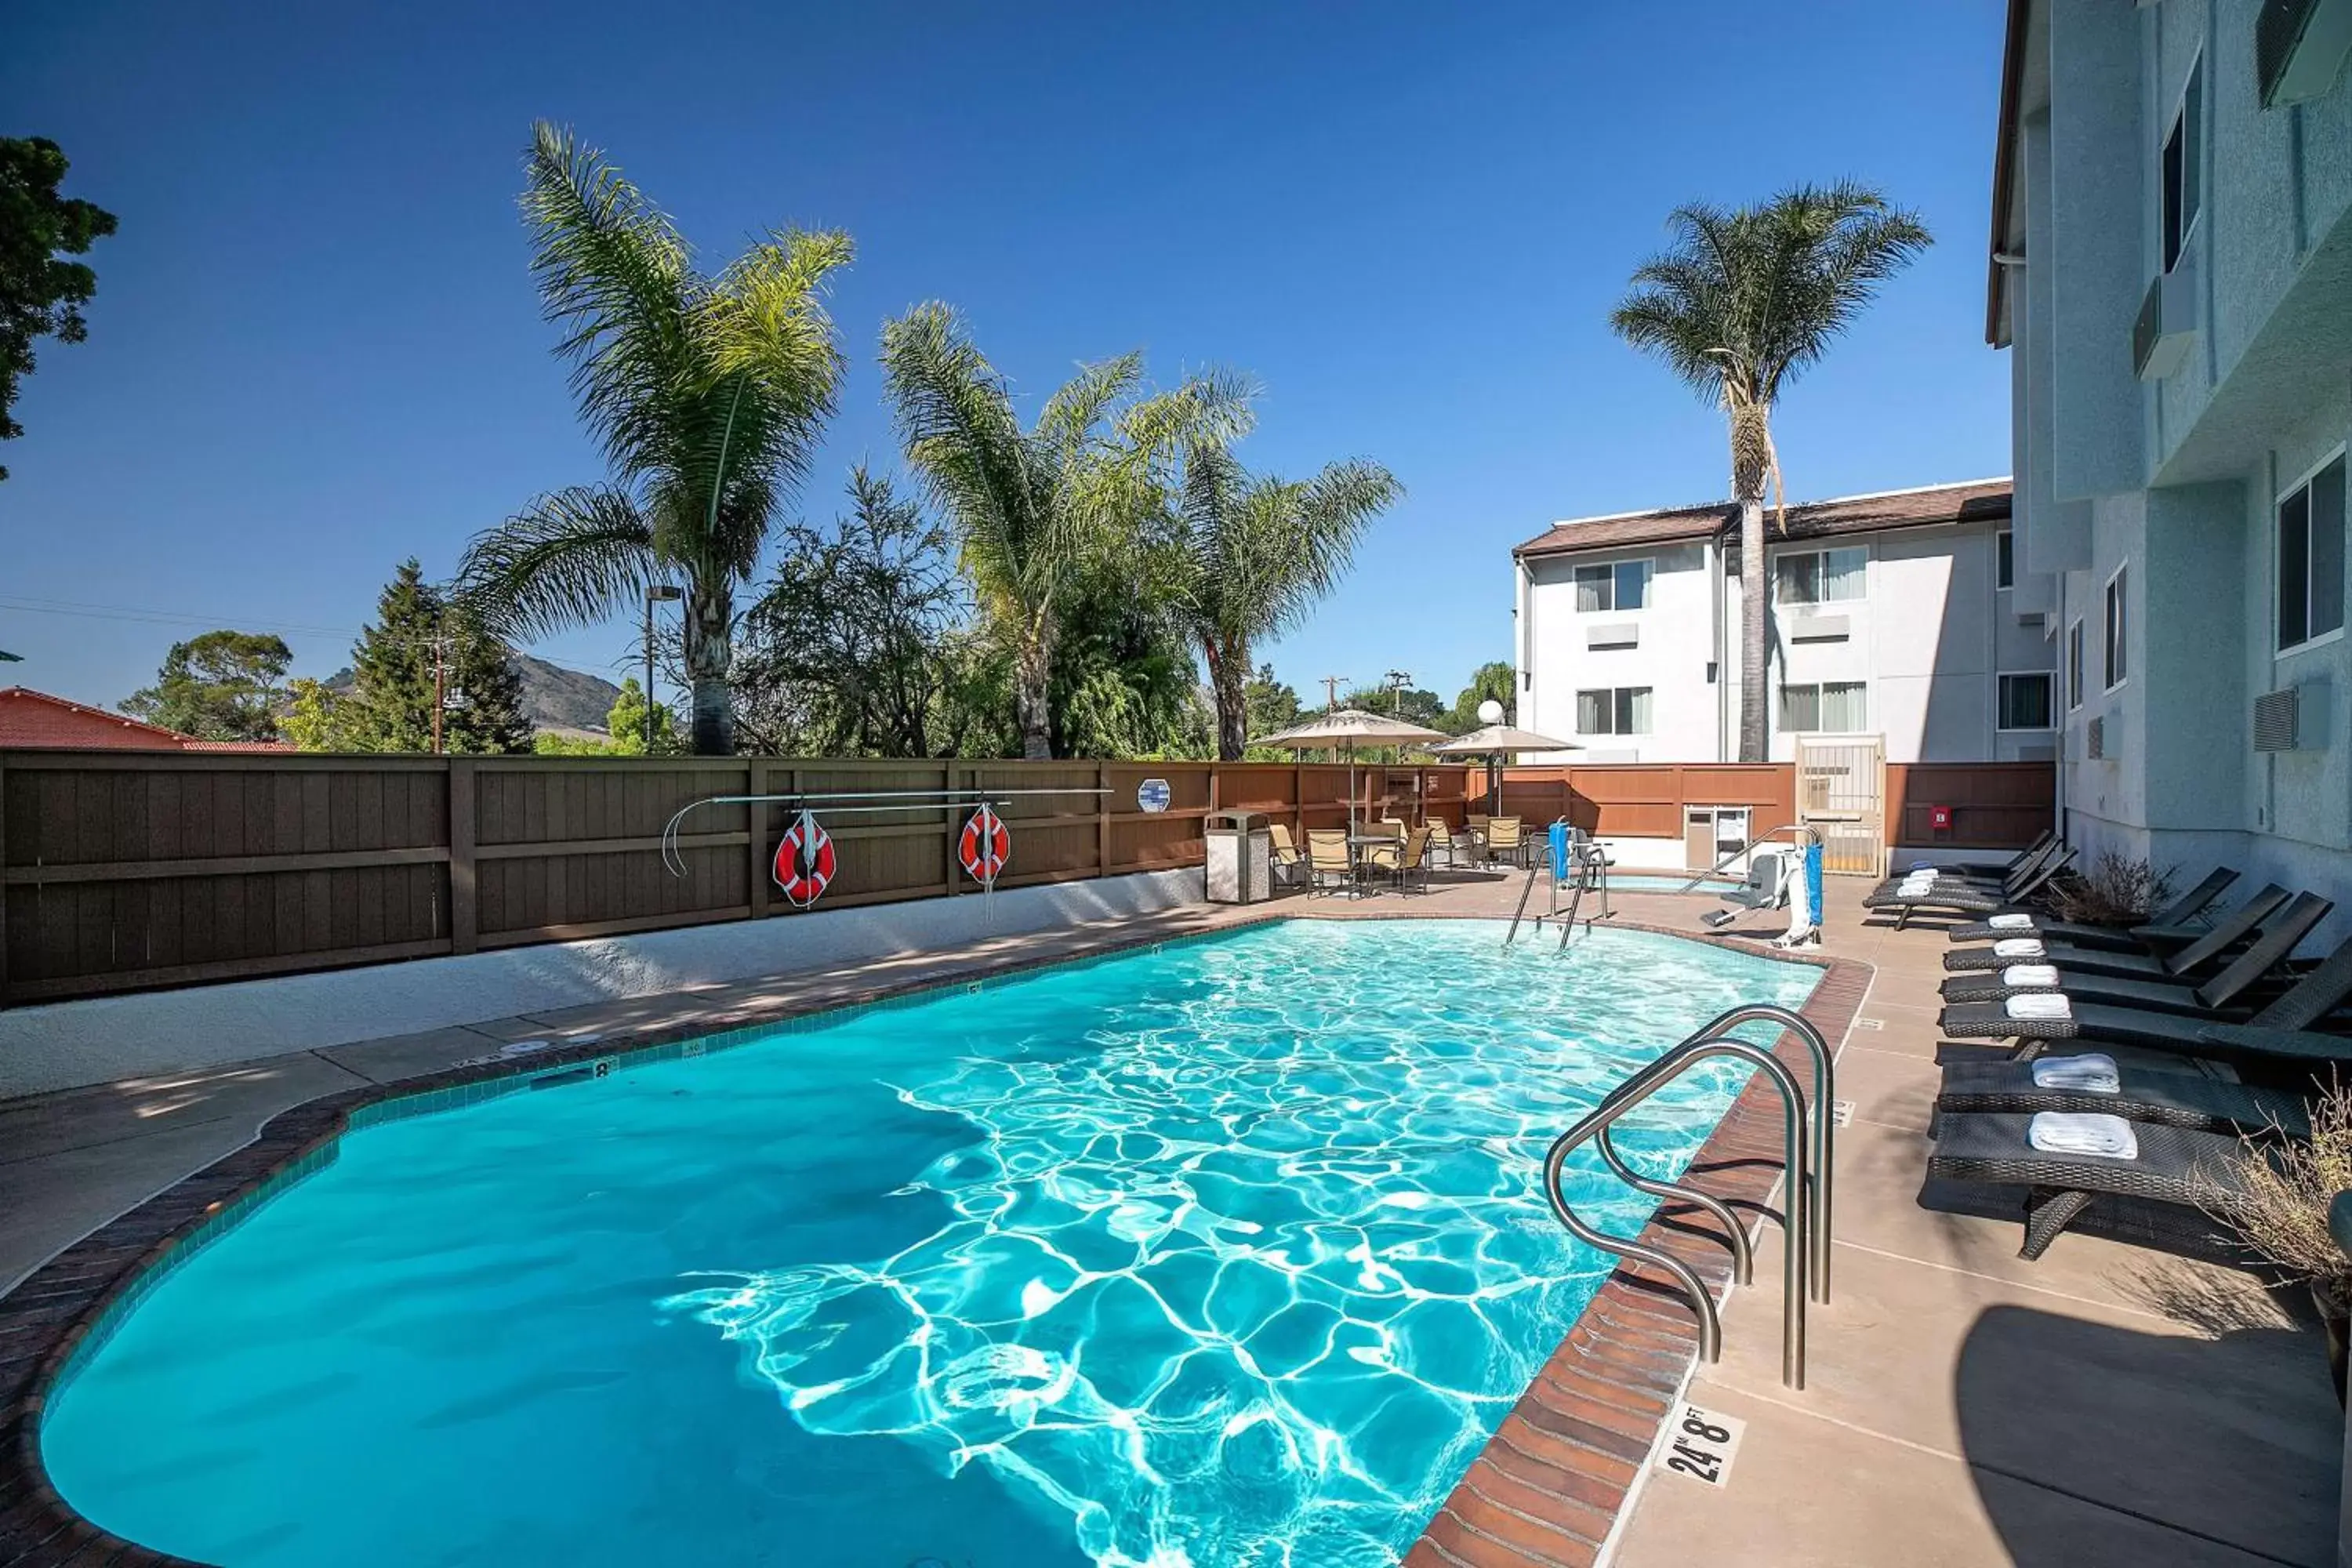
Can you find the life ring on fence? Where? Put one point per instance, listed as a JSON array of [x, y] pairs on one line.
[[804, 860], [985, 847]]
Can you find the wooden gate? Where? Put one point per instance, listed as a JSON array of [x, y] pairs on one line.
[[1842, 794]]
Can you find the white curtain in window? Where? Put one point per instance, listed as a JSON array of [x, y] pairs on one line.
[[1843, 573], [1592, 712], [1844, 708], [1592, 588], [1634, 710]]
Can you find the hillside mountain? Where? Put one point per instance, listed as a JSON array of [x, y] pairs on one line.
[[554, 698]]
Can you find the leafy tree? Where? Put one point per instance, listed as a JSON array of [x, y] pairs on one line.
[[861, 640], [625, 724], [1038, 513], [221, 686], [1740, 305], [1123, 682], [709, 392], [1496, 681], [1272, 705], [1257, 552], [40, 295], [390, 705]]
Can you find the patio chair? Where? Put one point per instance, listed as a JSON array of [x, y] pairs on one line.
[[1412, 861], [1289, 865], [2175, 925], [1328, 860], [2242, 925], [1441, 842], [1505, 841], [1993, 870], [2165, 1195], [2279, 938], [2171, 1097], [1945, 897], [2282, 1033]]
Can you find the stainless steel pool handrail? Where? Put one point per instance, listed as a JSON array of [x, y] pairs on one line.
[[1806, 1206]]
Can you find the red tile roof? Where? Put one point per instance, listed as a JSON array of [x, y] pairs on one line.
[[30, 718], [1981, 500]]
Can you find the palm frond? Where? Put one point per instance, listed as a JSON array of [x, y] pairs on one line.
[[568, 559], [955, 417], [615, 275]]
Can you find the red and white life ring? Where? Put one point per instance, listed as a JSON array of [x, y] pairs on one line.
[[985, 847], [804, 860]]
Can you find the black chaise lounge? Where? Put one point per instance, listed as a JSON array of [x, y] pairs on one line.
[[2166, 1195], [1948, 895], [2241, 924], [2175, 925], [2027, 862], [2282, 933], [2280, 1033], [2169, 1096]]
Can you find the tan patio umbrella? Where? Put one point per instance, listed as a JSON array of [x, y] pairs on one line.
[[1345, 729], [1494, 742]]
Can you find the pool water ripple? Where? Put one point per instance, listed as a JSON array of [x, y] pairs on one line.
[[1232, 1254]]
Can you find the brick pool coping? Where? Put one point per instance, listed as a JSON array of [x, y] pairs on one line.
[[1546, 1491]]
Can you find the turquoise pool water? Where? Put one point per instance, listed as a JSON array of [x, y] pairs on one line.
[[1227, 1254]]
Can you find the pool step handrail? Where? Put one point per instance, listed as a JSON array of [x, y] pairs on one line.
[[1809, 1159]]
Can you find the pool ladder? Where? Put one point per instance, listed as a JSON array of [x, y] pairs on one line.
[[1591, 870], [1808, 1130]]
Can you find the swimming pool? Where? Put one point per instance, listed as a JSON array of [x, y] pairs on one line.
[[1225, 1253]]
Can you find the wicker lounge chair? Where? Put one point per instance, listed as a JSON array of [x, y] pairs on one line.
[[2242, 924], [2172, 926], [2165, 1195], [2027, 862], [1952, 896], [2281, 1032], [2167, 1096], [2282, 934]]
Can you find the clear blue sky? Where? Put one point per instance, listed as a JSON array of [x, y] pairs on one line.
[[315, 349]]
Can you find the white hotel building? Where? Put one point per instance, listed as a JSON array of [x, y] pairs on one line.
[[1895, 614]]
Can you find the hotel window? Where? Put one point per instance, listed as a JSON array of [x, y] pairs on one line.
[[2183, 172], [1821, 576], [2025, 702], [1623, 585], [2075, 665], [2004, 556], [2116, 610], [1613, 711], [1834, 707], [2311, 557]]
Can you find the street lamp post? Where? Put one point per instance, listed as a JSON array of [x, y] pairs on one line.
[[659, 594]]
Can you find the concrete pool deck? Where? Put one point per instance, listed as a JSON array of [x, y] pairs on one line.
[[2105, 1404]]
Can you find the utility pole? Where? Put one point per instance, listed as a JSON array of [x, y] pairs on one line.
[[440, 675], [1397, 681], [1331, 693]]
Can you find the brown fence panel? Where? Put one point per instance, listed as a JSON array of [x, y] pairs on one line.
[[1995, 805], [1645, 800], [122, 870]]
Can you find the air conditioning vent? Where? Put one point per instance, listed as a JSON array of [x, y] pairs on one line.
[[2094, 740], [2168, 321], [2299, 48], [1808, 625], [1626, 633], [2274, 721]]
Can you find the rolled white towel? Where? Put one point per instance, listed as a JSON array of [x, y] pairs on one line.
[[2018, 947], [2012, 922], [1914, 889], [2092, 1072], [2030, 976], [2039, 1005], [2082, 1133]]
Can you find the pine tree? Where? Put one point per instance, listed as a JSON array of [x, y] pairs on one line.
[[391, 705]]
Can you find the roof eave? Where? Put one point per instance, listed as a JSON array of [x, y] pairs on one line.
[[2004, 163]]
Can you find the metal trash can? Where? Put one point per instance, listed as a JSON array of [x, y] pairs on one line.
[[1239, 858]]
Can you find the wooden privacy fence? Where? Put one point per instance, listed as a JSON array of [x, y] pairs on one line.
[[1994, 805], [120, 871]]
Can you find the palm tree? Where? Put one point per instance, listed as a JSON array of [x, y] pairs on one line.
[[1036, 511], [1257, 552], [1740, 305], [708, 394]]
